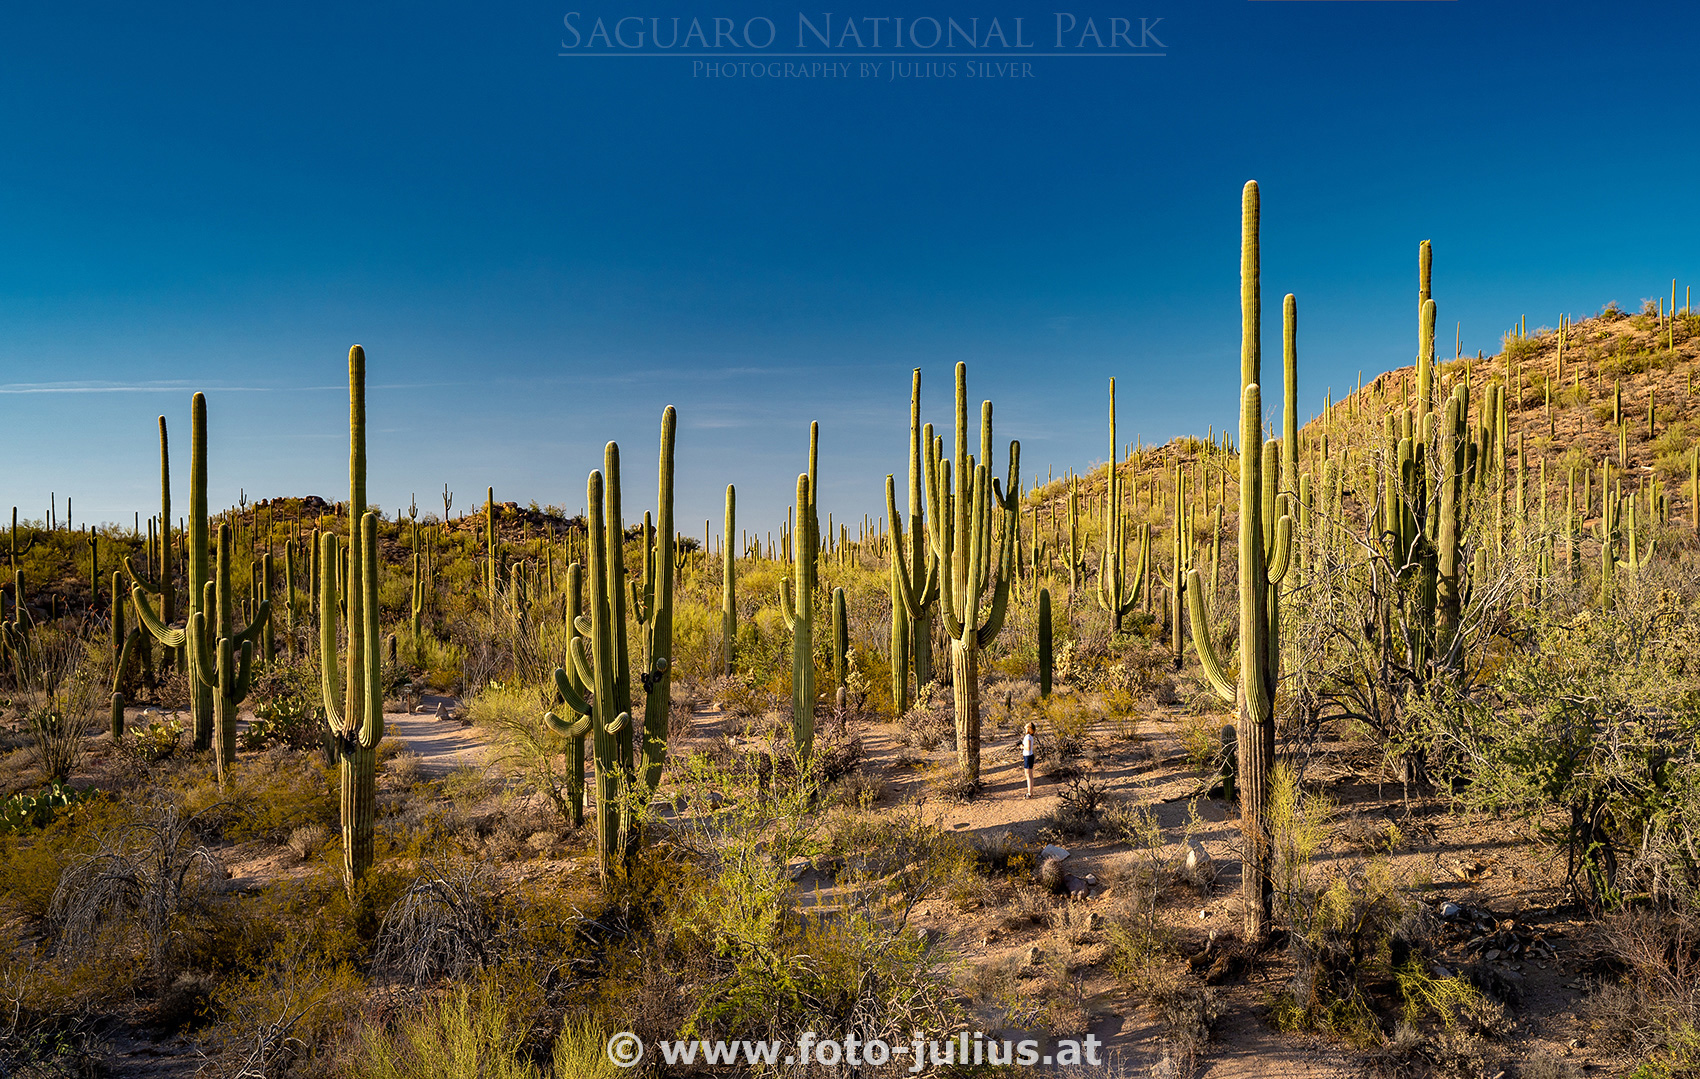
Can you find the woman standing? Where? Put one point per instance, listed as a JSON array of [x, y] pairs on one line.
[[1029, 750]]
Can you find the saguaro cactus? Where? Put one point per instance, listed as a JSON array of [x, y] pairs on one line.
[[1047, 658], [1118, 594], [491, 575], [729, 585], [201, 682], [358, 725], [123, 647], [799, 611], [216, 648], [1253, 694], [578, 726], [973, 554], [840, 641]]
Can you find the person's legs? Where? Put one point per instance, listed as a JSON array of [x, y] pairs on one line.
[[1027, 766]]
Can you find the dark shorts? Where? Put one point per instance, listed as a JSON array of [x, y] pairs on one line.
[[1027, 761]]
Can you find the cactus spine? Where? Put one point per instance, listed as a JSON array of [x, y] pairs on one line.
[[358, 725], [1260, 571]]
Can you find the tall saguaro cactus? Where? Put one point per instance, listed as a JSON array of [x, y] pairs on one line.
[[358, 725], [491, 575], [1118, 594], [974, 554], [799, 610], [1253, 693], [201, 682], [729, 584]]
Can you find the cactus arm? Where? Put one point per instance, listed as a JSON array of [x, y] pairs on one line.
[[331, 692], [200, 646], [372, 728], [582, 665], [1203, 642], [170, 638], [1000, 594], [132, 641], [244, 668], [570, 695], [577, 728], [262, 614], [582, 624], [786, 606], [905, 585], [1282, 556], [618, 723]]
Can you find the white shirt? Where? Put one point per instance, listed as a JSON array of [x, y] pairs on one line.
[[1028, 745]]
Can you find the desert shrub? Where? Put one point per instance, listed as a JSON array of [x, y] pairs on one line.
[[60, 686], [48, 1027], [31, 862], [134, 890], [475, 1029], [1599, 720], [284, 1015], [266, 797], [737, 934], [444, 925], [1348, 927], [1078, 807], [1652, 1013], [156, 740]]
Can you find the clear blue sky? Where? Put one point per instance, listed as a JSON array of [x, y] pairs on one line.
[[540, 251]]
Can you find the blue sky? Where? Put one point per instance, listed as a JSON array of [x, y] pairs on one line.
[[539, 251]]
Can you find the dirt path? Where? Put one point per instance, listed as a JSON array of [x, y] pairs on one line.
[[443, 744]]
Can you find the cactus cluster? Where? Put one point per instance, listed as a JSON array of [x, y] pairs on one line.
[[596, 687]]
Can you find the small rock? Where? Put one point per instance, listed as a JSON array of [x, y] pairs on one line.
[[1492, 954], [1450, 910], [1199, 868], [1053, 851], [1577, 1043], [1441, 972], [1091, 878]]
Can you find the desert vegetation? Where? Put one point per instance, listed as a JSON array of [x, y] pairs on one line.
[[1369, 744]]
